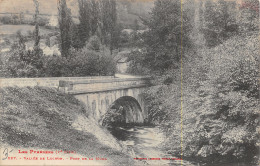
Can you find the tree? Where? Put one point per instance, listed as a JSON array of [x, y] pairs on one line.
[[109, 33], [201, 14], [94, 16], [249, 15], [21, 40], [21, 17], [94, 44], [85, 21], [21, 62], [218, 21], [36, 30], [113, 25], [168, 32], [136, 25], [223, 18], [65, 26], [75, 37]]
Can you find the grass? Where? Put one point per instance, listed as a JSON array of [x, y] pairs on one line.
[[43, 118]]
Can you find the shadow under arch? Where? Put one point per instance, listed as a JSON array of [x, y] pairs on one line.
[[123, 111]]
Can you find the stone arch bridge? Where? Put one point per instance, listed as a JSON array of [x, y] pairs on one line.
[[98, 93], [101, 95]]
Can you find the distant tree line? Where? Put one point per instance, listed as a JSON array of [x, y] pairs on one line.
[[20, 18]]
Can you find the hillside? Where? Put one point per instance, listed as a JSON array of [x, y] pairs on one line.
[[221, 96], [220, 111], [49, 7], [43, 118], [18, 16], [128, 10]]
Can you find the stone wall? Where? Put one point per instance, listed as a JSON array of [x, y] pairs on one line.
[[101, 85]]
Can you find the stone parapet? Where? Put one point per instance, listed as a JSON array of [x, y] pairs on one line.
[[92, 86]]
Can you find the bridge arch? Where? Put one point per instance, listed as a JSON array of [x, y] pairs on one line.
[[124, 110]]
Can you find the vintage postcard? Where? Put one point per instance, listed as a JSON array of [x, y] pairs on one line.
[[129, 82]]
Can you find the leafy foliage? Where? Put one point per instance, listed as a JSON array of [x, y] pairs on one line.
[[219, 21], [249, 15], [113, 117], [166, 36], [220, 104], [65, 25], [36, 31], [98, 18], [136, 57], [94, 59], [88, 61], [21, 62], [222, 19], [84, 18]]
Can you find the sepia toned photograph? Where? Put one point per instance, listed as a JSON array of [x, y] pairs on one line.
[[129, 82]]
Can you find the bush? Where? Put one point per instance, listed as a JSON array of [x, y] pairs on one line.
[[244, 76], [55, 66], [6, 20], [94, 43], [14, 66], [84, 62], [21, 62], [32, 64], [136, 60]]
